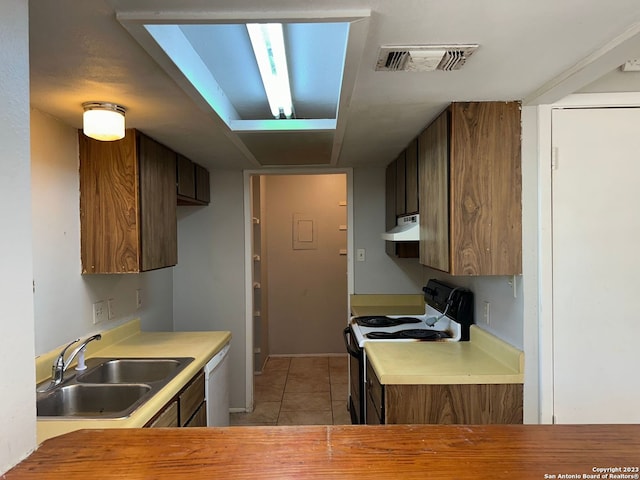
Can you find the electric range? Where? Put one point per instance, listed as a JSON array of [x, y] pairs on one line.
[[447, 317]]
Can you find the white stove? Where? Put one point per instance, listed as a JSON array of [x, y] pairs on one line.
[[447, 317], [432, 325]]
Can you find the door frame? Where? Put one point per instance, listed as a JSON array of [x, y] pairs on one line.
[[247, 174], [542, 356]]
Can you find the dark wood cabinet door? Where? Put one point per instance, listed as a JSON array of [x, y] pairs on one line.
[[203, 188], [159, 232], [401, 200], [411, 178], [186, 181], [434, 185]]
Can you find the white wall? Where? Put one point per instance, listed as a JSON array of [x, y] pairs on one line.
[[63, 297], [307, 288], [209, 279], [530, 242], [17, 392]]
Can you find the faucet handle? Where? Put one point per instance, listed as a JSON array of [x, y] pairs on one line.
[[60, 358]]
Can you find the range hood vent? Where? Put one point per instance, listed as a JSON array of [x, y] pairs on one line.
[[407, 229], [423, 58]]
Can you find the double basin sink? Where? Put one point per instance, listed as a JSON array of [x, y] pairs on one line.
[[109, 388]]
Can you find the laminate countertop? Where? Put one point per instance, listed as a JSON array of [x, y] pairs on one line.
[[383, 304], [129, 341], [484, 359], [382, 452]]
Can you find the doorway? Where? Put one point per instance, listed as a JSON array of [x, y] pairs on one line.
[[595, 264], [299, 245]]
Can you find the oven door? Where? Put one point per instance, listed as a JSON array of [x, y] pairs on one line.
[[356, 377]]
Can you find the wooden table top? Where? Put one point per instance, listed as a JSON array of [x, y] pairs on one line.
[[340, 452]]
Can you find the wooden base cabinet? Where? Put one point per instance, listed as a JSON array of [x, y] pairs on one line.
[[470, 190], [127, 205], [443, 404], [187, 409]]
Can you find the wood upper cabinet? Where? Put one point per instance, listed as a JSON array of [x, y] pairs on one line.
[[390, 204], [192, 182], [127, 204], [470, 190], [186, 181], [412, 195], [401, 188]]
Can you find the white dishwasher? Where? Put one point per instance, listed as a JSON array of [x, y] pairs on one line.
[[216, 392]]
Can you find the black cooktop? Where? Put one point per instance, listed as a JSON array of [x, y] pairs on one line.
[[383, 321], [416, 334]]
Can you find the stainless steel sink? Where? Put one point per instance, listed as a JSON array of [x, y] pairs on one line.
[[132, 370], [109, 388], [94, 401]]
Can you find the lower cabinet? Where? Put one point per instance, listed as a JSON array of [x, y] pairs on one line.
[[470, 404], [187, 409]]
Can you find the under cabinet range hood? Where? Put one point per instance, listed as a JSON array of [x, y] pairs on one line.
[[407, 229]]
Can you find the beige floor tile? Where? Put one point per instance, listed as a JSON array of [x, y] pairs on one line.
[[264, 413], [270, 378], [306, 418], [277, 364], [338, 376], [339, 391], [339, 362], [307, 384], [268, 393], [305, 365], [302, 402], [341, 415]]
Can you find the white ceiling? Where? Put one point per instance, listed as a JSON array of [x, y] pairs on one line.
[[535, 51]]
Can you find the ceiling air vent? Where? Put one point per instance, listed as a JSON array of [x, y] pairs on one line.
[[423, 58]]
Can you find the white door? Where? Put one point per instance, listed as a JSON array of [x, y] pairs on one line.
[[596, 265]]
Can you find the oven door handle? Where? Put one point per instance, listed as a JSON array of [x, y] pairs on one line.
[[350, 350]]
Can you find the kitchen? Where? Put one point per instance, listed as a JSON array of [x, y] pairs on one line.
[[174, 300]]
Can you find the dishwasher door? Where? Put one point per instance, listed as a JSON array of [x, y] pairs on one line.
[[216, 375]]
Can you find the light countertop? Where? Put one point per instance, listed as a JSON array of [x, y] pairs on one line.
[[485, 359], [128, 341]]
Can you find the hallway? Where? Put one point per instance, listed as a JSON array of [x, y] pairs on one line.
[[299, 391]]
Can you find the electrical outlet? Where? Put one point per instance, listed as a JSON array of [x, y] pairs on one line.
[[138, 299], [487, 313], [111, 307], [100, 313]]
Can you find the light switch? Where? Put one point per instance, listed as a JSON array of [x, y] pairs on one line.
[[360, 255]]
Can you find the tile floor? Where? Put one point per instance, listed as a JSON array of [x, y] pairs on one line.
[[299, 391]]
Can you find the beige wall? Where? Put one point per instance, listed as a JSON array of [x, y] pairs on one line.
[[64, 298], [209, 280], [307, 287]]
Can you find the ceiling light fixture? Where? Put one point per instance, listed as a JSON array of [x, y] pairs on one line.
[[103, 121], [267, 41]]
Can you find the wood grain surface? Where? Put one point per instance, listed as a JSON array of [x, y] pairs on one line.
[[335, 452], [433, 160], [411, 181], [110, 223], [158, 211], [401, 186], [485, 189], [454, 404]]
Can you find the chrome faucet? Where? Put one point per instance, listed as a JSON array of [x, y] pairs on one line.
[[60, 365]]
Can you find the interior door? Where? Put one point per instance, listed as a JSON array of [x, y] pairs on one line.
[[596, 264]]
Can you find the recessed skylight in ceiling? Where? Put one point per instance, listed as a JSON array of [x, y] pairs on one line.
[[219, 62]]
